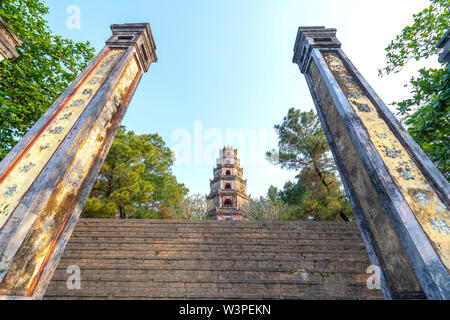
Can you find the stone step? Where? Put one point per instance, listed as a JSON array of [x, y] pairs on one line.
[[245, 286], [209, 255], [211, 240], [217, 235], [167, 289], [200, 296], [218, 228], [282, 268], [224, 224], [161, 259], [204, 283], [161, 246], [238, 264], [211, 276]]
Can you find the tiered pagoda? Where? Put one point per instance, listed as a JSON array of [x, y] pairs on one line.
[[228, 188]]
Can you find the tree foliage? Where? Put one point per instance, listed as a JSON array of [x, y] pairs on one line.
[[47, 65], [265, 209], [419, 40], [302, 144], [314, 201], [303, 147], [427, 113], [429, 124], [136, 180], [193, 207]]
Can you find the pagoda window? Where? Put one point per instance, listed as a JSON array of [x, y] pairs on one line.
[[228, 186], [227, 203], [228, 173]]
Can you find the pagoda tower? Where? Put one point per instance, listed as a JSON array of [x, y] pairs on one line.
[[228, 188]]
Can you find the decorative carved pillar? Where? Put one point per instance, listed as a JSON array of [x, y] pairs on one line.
[[46, 178], [8, 42], [399, 198]]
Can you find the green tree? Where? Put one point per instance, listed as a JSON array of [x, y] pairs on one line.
[[135, 180], [192, 207], [315, 201], [265, 209], [272, 194], [47, 65], [303, 147], [427, 113], [293, 193]]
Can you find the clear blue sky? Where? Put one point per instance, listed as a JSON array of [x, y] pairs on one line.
[[225, 70]]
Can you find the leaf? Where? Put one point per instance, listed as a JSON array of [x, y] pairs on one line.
[[136, 178], [46, 66]]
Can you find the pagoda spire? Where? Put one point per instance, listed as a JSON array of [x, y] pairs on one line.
[[228, 188]]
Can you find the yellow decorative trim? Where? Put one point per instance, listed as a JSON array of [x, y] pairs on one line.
[[37, 246], [25, 171], [3, 55], [430, 211]]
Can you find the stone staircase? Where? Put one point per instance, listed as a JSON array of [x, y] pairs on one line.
[[166, 259]]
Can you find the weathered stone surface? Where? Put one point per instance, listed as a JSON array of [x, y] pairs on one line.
[[400, 199], [152, 259], [391, 251], [45, 179]]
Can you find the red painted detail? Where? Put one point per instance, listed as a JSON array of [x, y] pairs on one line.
[[32, 142], [62, 105], [69, 214], [47, 256]]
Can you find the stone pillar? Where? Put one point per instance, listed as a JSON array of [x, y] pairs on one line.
[[46, 178], [8, 42], [399, 198], [444, 44]]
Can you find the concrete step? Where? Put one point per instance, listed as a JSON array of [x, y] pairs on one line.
[[238, 264], [217, 241], [218, 235], [211, 275], [202, 296], [161, 259], [211, 254], [160, 246], [221, 224], [215, 228], [119, 289]]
